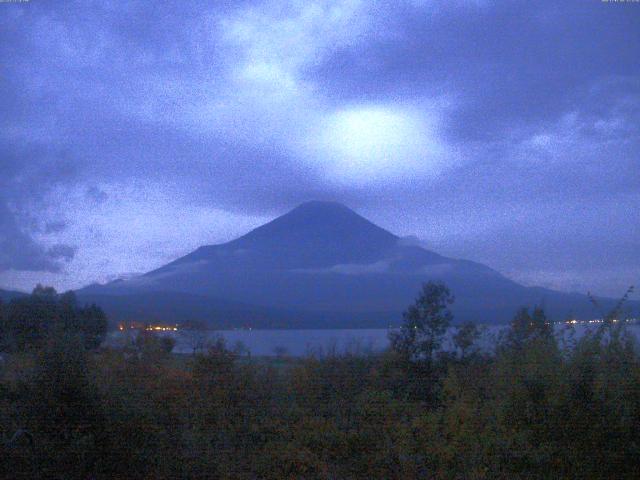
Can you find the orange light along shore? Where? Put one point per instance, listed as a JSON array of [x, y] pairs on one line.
[[596, 320], [147, 327]]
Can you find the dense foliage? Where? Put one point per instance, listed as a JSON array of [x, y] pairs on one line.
[[531, 409], [27, 322]]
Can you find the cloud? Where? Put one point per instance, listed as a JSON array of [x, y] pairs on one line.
[[381, 266], [54, 227], [484, 127], [373, 144], [96, 195], [19, 251], [61, 252]]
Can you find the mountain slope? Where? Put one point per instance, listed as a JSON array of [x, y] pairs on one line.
[[313, 235], [8, 295], [322, 263]]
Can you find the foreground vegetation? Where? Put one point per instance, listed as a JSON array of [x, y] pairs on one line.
[[531, 409]]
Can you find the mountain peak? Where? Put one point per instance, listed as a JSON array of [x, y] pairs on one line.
[[322, 206], [317, 214], [319, 220], [315, 233]]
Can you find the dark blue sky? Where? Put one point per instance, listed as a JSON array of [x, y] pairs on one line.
[[503, 132]]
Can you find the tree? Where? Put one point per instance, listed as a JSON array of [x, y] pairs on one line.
[[280, 351], [30, 320], [465, 339], [527, 327], [425, 323], [44, 293], [93, 325], [614, 320], [64, 409], [2, 326], [150, 345]]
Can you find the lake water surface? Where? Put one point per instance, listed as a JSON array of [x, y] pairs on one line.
[[317, 342]]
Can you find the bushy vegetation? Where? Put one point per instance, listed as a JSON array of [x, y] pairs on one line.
[[530, 409], [27, 323]]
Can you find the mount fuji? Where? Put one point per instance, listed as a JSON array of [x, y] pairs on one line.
[[321, 265]]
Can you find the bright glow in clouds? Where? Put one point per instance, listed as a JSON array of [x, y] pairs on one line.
[[257, 90], [370, 144], [255, 106], [353, 146]]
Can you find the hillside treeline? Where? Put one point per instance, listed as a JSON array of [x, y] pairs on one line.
[[532, 408], [28, 322]]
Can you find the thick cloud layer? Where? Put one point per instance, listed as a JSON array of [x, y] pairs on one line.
[[503, 132], [18, 251]]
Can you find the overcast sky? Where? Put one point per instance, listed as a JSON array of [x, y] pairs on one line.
[[131, 132]]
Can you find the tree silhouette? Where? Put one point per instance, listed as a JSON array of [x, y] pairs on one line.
[[425, 323], [29, 321]]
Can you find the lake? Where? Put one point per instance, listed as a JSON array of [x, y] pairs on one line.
[[299, 343]]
